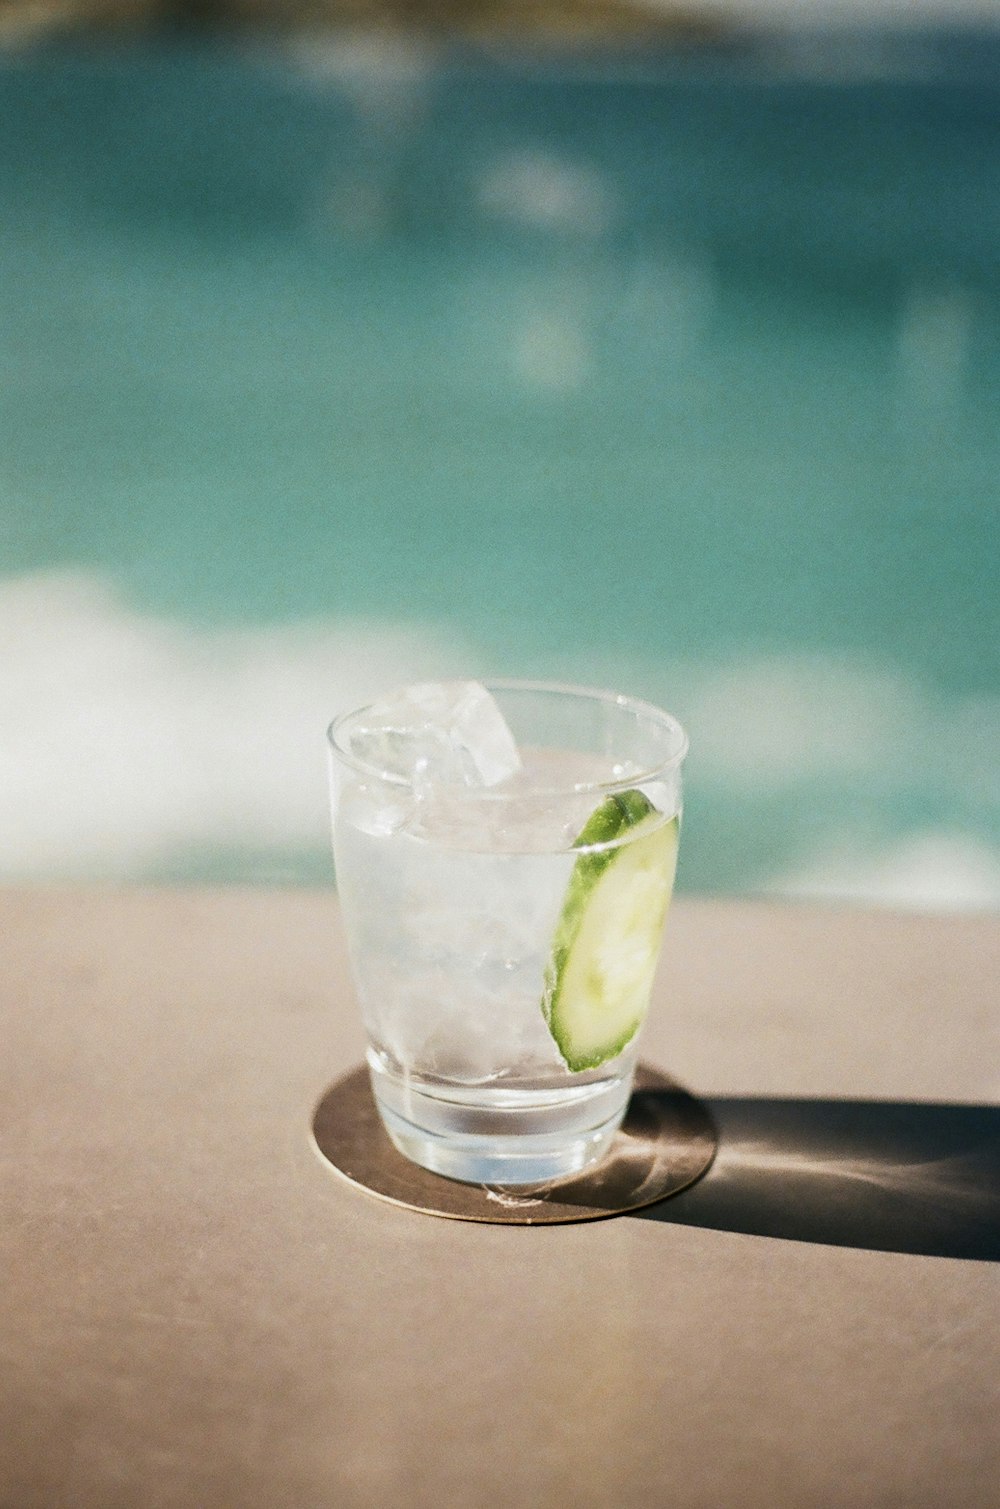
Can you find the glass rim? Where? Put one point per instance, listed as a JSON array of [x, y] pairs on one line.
[[649, 711]]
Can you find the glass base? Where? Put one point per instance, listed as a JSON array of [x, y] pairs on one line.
[[666, 1142], [507, 1135], [499, 1160]]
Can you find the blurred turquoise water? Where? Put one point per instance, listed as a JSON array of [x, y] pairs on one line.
[[329, 361]]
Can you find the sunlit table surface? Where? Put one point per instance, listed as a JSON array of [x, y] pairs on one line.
[[196, 1310]]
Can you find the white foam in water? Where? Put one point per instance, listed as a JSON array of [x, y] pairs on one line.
[[132, 747], [440, 733]]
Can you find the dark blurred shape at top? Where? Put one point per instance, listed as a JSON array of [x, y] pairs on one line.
[[532, 21]]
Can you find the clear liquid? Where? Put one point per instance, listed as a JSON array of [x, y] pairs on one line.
[[450, 912]]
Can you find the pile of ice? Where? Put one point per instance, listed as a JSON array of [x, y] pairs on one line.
[[438, 733], [446, 768]]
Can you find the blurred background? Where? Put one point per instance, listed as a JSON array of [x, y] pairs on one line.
[[344, 343]]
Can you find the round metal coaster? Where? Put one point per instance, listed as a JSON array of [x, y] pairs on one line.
[[665, 1143]]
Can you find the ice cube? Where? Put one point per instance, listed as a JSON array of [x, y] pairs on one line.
[[368, 809], [449, 733]]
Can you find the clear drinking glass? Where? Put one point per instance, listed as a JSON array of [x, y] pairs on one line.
[[503, 938]]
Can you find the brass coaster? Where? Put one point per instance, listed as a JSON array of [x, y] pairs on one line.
[[665, 1143]]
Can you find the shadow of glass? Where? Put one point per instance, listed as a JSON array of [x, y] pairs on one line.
[[890, 1177]]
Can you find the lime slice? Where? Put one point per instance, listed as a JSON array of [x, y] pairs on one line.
[[607, 940]]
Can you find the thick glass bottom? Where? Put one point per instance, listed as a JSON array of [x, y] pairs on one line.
[[516, 1135]]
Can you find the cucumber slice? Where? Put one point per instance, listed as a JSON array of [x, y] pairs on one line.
[[607, 940]]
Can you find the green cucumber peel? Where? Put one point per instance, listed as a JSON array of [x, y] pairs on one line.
[[606, 943]]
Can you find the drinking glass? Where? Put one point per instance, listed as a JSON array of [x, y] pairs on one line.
[[503, 937]]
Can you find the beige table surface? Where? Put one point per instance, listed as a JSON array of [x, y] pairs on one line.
[[196, 1310]]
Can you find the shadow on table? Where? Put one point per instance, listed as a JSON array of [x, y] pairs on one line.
[[880, 1175]]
